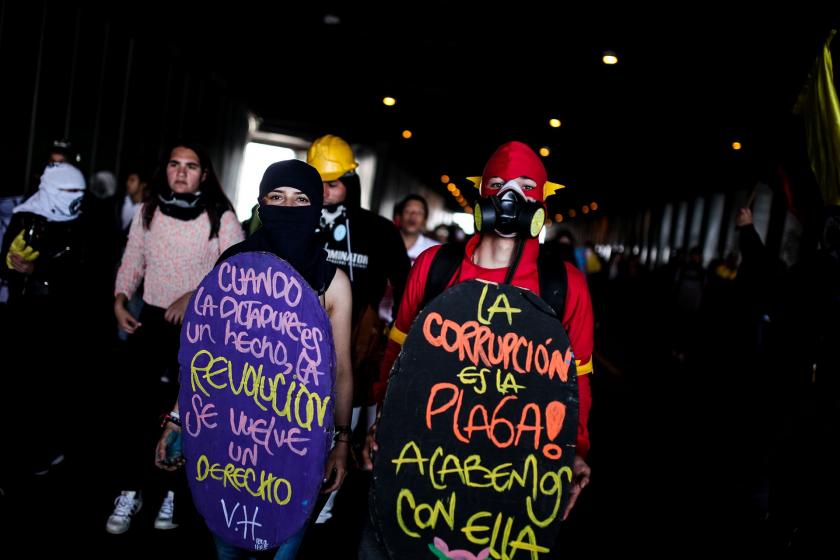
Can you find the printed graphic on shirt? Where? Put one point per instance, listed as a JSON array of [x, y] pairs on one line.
[[343, 258]]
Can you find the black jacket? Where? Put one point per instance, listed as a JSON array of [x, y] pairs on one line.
[[63, 252], [370, 250]]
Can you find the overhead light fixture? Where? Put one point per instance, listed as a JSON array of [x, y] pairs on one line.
[[609, 58], [585, 209], [594, 206], [554, 123], [407, 134], [736, 146], [545, 152], [389, 101], [558, 218], [444, 178]]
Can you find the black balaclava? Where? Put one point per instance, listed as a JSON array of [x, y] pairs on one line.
[[290, 230]]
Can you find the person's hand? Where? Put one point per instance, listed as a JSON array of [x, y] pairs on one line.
[[19, 264], [580, 478], [160, 450], [125, 320], [336, 468], [743, 217], [370, 447], [21, 255], [175, 312]]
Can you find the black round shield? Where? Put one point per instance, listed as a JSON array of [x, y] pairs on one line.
[[477, 433]]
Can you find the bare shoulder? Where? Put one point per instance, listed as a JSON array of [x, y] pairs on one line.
[[339, 292], [340, 281]]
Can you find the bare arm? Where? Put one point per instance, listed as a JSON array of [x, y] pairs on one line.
[[339, 304]]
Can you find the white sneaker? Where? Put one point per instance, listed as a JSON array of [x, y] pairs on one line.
[[164, 516], [126, 505]]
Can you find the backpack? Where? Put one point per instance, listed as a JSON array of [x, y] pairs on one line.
[[447, 261]]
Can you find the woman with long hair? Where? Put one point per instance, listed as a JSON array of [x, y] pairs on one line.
[[174, 240]]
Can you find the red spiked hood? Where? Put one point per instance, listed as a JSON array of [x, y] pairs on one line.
[[513, 160]]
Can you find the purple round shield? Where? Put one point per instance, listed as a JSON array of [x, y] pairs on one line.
[[256, 399]]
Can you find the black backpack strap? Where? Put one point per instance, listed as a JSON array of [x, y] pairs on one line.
[[553, 277], [444, 266], [553, 282]]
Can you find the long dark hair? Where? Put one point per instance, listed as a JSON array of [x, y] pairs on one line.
[[211, 189]]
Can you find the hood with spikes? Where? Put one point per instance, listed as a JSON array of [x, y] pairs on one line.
[[513, 160]]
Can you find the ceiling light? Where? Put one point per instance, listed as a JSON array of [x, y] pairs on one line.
[[407, 134], [554, 123], [389, 101], [545, 152], [609, 58]]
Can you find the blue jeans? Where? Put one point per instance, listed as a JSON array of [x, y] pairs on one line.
[[286, 551]]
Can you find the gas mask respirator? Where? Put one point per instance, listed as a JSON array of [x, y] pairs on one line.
[[509, 213]]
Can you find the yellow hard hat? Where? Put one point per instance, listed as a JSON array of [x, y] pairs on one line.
[[332, 157]]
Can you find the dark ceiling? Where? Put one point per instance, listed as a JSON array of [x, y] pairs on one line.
[[662, 120]]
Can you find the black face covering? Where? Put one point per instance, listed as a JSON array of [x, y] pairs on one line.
[[182, 206], [289, 231]]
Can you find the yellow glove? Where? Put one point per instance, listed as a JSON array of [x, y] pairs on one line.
[[21, 249]]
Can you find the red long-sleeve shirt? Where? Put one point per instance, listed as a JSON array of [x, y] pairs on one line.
[[577, 316]]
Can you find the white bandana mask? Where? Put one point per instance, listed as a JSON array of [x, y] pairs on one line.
[[58, 198]]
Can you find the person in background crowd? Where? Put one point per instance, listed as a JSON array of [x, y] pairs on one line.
[[176, 236], [45, 255], [368, 248]]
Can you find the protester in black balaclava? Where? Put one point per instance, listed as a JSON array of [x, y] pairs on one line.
[[290, 202]]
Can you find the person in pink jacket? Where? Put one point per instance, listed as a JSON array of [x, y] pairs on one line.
[[174, 241]]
